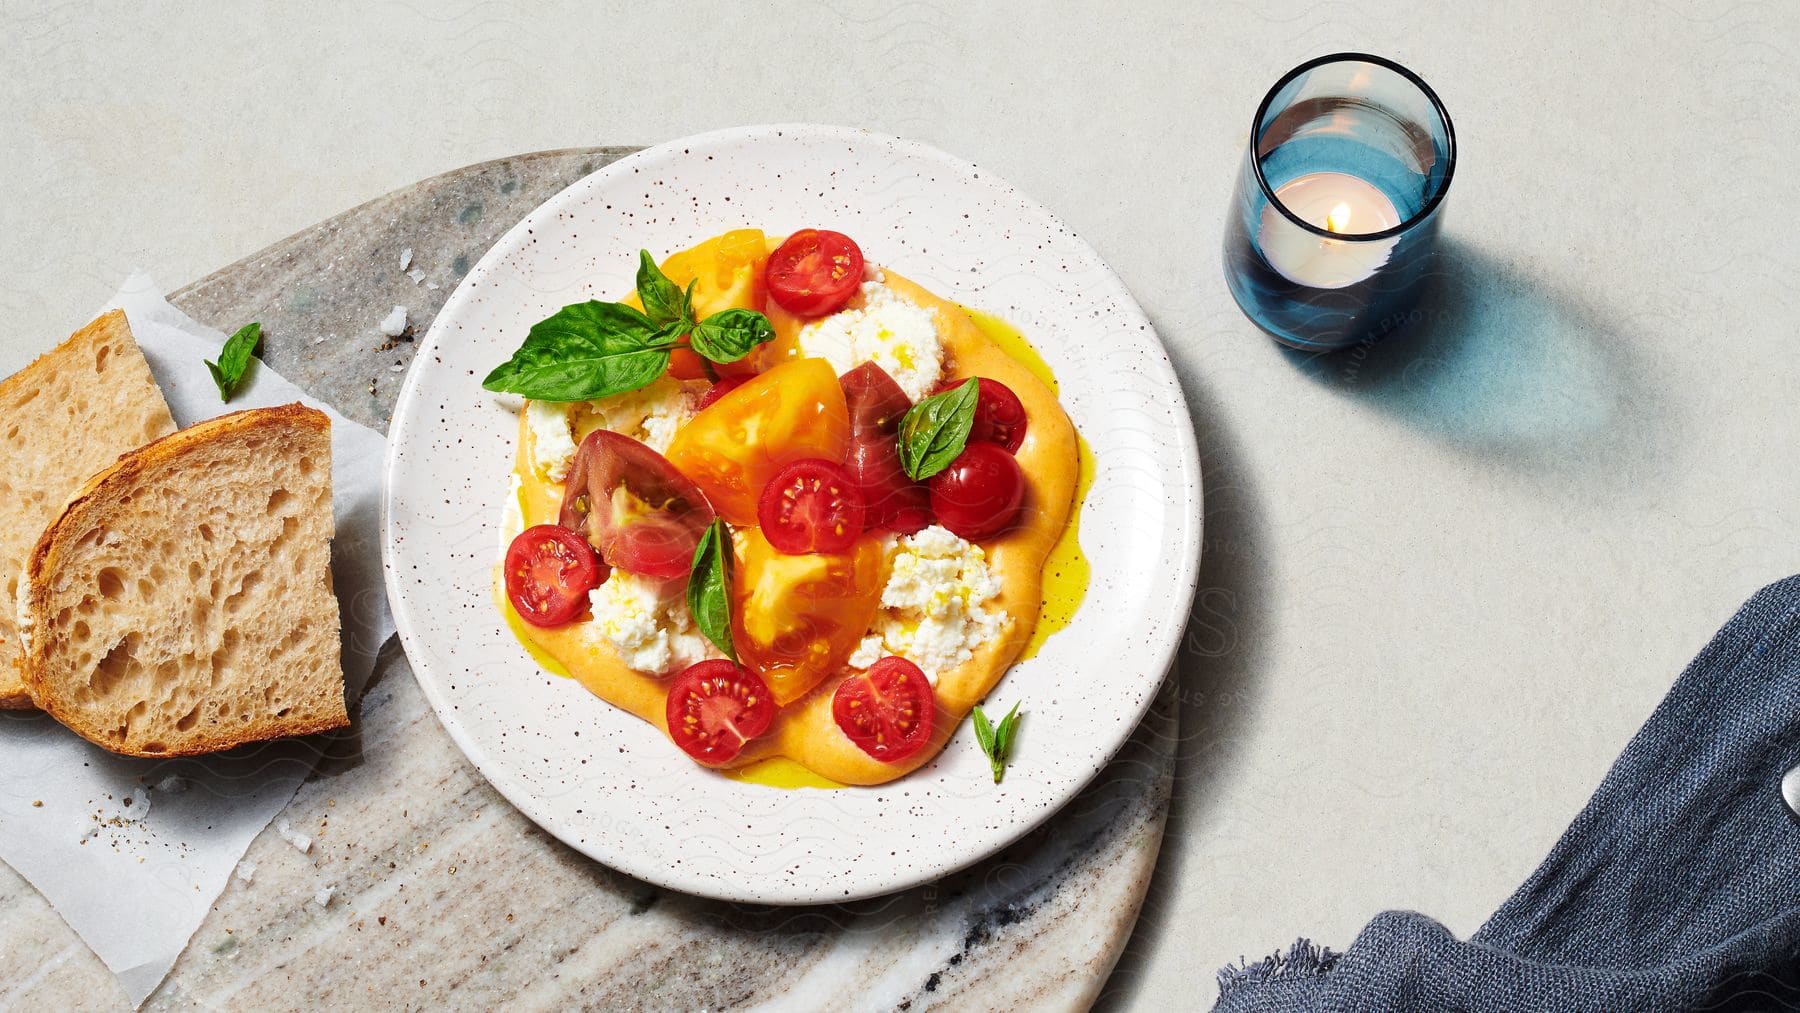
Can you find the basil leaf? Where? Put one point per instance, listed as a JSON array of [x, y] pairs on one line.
[[984, 733], [234, 359], [663, 302], [1003, 735], [729, 335], [709, 587], [670, 334], [582, 352], [935, 430]]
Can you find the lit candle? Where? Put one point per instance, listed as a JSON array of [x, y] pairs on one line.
[[1339, 203], [1334, 221]]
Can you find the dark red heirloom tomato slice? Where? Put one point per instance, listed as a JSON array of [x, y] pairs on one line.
[[814, 272], [979, 494], [715, 707], [549, 571], [999, 414], [811, 506], [888, 710], [723, 386], [643, 515], [890, 499]]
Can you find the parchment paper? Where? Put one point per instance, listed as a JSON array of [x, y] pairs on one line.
[[132, 852]]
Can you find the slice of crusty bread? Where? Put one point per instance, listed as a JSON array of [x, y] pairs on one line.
[[65, 416], [182, 603]]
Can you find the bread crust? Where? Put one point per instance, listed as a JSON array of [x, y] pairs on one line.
[[100, 495]]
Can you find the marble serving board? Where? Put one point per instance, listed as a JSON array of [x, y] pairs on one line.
[[442, 894]]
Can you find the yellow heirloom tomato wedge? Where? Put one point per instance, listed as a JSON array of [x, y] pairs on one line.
[[797, 619], [727, 271], [737, 443]]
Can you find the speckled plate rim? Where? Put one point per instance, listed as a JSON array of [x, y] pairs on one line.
[[821, 834]]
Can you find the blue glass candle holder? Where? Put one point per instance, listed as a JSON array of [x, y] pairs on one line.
[[1334, 223]]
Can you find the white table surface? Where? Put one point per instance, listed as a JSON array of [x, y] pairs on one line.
[[1437, 598]]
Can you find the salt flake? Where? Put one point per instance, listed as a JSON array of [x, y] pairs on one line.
[[301, 842], [394, 324], [136, 807]]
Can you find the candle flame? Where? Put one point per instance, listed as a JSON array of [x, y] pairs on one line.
[[1339, 218]]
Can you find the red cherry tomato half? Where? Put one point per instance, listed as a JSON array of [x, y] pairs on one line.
[[549, 572], [811, 505], [979, 494], [724, 386], [888, 710], [715, 707], [814, 272], [892, 501], [999, 415], [643, 515]]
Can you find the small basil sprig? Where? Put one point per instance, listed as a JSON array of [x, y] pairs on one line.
[[709, 587], [663, 303], [234, 359], [996, 740], [592, 349], [934, 431]]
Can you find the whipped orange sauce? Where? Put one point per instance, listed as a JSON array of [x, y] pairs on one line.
[[1066, 570], [1042, 573]]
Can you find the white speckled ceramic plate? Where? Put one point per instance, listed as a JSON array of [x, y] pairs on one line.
[[611, 786]]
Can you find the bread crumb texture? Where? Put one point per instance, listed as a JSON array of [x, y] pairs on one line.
[[66, 416], [183, 602]]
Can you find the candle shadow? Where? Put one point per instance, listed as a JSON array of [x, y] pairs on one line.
[[1497, 362], [1501, 362]]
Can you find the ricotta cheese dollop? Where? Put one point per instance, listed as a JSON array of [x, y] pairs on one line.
[[899, 336], [650, 415], [552, 441], [934, 606], [647, 623]]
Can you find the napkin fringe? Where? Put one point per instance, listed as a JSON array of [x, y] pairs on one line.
[[1304, 959]]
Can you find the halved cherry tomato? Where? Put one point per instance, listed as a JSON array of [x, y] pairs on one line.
[[734, 447], [979, 494], [715, 707], [877, 404], [811, 506], [549, 572], [634, 506], [797, 619], [888, 710], [724, 386], [999, 415], [815, 272]]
